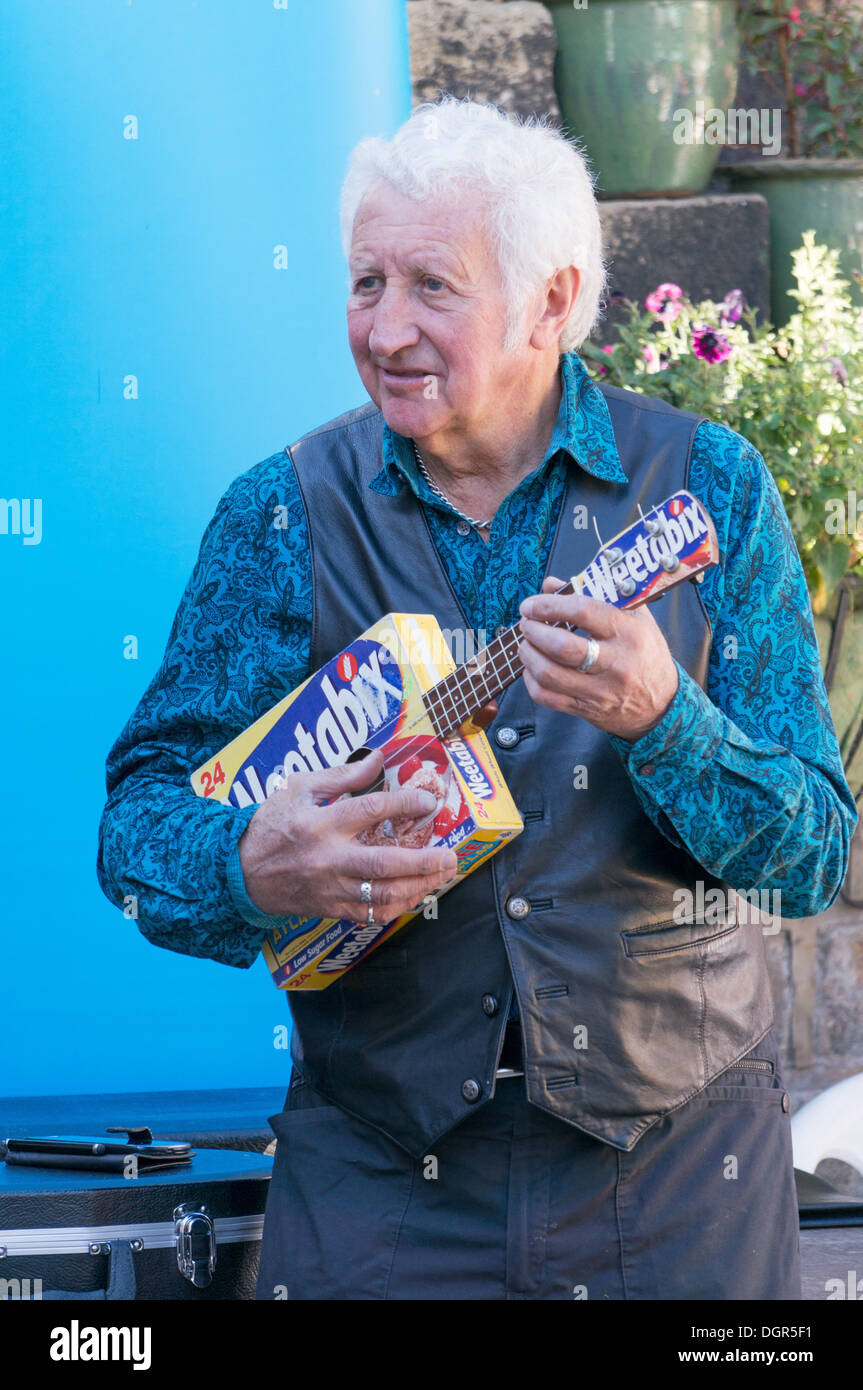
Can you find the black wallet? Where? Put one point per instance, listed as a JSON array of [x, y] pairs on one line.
[[80, 1151]]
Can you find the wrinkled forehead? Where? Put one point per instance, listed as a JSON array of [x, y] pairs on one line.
[[451, 225]]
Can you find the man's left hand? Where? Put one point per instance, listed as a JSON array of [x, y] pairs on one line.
[[634, 679]]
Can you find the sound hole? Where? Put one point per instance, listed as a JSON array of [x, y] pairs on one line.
[[380, 783]]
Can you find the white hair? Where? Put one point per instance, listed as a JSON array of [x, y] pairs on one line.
[[533, 185]]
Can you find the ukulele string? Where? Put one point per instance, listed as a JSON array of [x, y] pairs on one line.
[[418, 711]]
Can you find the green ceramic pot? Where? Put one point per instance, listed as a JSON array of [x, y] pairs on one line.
[[625, 71], [823, 194]]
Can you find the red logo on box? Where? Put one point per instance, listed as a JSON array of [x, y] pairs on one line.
[[347, 666]]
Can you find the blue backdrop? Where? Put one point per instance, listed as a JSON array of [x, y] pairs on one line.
[[156, 343]]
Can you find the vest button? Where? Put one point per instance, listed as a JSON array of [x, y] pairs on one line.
[[489, 1005], [463, 528], [506, 737], [471, 1090], [786, 1104], [517, 908], [499, 631]]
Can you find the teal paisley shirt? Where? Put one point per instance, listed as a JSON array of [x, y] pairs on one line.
[[746, 775]]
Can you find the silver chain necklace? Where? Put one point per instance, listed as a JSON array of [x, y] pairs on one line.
[[480, 525]]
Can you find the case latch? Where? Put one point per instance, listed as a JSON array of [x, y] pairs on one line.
[[196, 1243], [138, 1134]]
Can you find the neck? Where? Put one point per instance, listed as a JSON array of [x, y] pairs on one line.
[[477, 470], [473, 684]]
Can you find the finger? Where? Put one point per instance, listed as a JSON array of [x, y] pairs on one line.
[[556, 643], [361, 812], [350, 777], [377, 862], [597, 618], [554, 676], [392, 896], [552, 699], [550, 584]]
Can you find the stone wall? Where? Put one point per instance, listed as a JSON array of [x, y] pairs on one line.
[[490, 50]]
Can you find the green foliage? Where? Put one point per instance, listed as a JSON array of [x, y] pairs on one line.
[[813, 62], [796, 393]]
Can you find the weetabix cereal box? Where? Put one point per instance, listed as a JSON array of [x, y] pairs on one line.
[[374, 694]]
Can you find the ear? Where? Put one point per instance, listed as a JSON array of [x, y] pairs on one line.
[[561, 293]]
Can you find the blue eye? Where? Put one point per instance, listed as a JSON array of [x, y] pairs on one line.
[[434, 283]]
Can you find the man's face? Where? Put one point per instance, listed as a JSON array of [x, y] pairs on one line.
[[426, 315]]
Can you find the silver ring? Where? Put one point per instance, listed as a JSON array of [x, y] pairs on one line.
[[590, 656], [366, 897]]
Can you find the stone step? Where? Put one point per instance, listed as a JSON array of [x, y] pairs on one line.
[[708, 245]]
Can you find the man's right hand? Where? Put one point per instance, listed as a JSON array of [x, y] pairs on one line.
[[302, 859]]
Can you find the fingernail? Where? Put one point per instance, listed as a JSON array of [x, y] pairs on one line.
[[427, 801], [526, 608]]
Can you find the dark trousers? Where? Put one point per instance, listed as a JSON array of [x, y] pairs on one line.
[[516, 1204]]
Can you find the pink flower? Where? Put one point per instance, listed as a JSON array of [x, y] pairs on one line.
[[663, 302], [610, 348], [732, 306], [794, 14], [709, 344], [800, 90], [838, 369], [655, 363]]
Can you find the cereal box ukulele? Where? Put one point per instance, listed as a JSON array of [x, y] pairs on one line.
[[396, 688], [370, 696]]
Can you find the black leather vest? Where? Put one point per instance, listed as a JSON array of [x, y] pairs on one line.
[[626, 1012]]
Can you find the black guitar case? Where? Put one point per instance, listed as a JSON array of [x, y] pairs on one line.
[[190, 1231]]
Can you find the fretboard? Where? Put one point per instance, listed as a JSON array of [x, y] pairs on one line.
[[481, 679]]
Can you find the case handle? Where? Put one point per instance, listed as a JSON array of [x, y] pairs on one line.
[[121, 1276]]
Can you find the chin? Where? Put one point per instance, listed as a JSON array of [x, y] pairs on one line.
[[414, 419]]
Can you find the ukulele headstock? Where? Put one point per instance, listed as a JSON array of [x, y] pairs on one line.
[[672, 542]]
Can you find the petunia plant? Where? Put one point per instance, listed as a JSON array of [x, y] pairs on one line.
[[795, 392]]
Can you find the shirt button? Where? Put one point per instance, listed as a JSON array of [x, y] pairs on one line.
[[786, 1104], [463, 528], [471, 1090], [489, 1005], [506, 737], [499, 631], [646, 770], [517, 908]]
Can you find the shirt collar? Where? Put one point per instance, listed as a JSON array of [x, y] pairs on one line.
[[583, 431]]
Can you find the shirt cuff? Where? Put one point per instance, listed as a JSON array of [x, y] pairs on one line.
[[682, 743], [242, 902]]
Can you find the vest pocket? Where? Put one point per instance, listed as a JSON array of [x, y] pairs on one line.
[[661, 938]]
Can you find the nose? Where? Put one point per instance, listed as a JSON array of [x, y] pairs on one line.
[[392, 324]]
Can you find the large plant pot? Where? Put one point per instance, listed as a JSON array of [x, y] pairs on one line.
[[625, 67], [823, 194]]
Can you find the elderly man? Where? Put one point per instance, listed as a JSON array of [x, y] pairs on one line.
[[562, 1087]]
